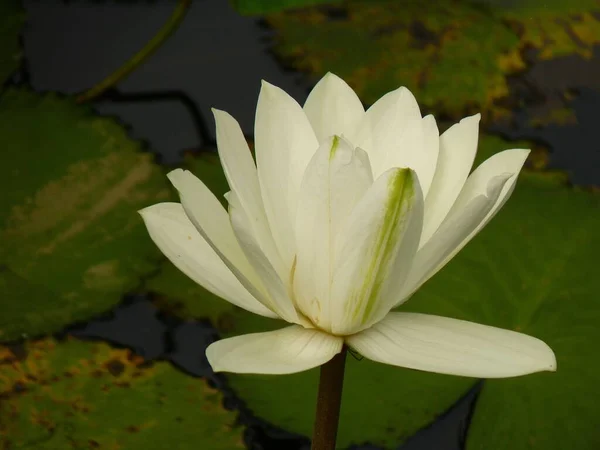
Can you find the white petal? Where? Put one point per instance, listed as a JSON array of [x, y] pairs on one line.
[[240, 171], [277, 298], [178, 239], [333, 108], [285, 142], [451, 346], [506, 162], [374, 250], [410, 143], [455, 232], [212, 222], [336, 178], [458, 146], [288, 350], [404, 106]]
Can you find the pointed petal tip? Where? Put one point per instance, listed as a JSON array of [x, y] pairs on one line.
[[157, 208], [175, 173], [431, 124], [523, 151], [264, 84], [550, 365], [475, 118], [330, 76]]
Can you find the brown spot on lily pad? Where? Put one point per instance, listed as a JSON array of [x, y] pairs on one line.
[[114, 367]]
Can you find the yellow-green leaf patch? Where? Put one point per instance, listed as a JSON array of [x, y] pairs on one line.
[[455, 57], [76, 395], [72, 241]]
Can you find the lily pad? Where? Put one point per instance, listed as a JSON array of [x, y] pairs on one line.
[[12, 18], [454, 57], [65, 395], [175, 293], [533, 270], [71, 237]]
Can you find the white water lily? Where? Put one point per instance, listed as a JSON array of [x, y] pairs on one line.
[[344, 215]]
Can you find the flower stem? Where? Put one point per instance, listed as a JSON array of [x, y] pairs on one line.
[[329, 401], [137, 59]]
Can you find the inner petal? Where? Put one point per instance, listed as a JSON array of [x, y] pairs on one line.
[[337, 176]]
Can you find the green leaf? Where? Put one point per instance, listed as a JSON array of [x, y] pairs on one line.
[[177, 294], [72, 241], [249, 7], [82, 395], [455, 57], [534, 270], [12, 18]]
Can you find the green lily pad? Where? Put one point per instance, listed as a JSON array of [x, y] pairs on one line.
[[175, 293], [72, 242], [82, 395], [533, 270], [454, 57], [12, 18], [250, 7]]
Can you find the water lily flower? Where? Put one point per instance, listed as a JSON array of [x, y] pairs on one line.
[[344, 215]]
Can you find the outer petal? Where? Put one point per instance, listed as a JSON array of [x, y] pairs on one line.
[[374, 250], [400, 142], [333, 108], [289, 350], [456, 231], [404, 106], [484, 193], [174, 234], [212, 222], [278, 298], [458, 146], [506, 162], [451, 346], [335, 180], [240, 171], [285, 142]]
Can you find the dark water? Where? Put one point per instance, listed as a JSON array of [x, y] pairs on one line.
[[566, 82], [217, 58]]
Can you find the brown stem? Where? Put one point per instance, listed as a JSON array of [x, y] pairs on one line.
[[329, 401]]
